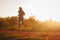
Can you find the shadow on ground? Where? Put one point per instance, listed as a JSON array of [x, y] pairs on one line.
[[17, 38]]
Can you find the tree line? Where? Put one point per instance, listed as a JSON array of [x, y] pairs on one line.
[[30, 24]]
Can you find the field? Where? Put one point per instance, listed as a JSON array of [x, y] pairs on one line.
[[17, 35]]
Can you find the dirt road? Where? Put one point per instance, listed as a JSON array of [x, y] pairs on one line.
[[39, 35]]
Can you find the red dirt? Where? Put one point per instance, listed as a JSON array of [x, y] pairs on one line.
[[47, 35]]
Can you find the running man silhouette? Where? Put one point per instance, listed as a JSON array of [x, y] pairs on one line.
[[21, 16]]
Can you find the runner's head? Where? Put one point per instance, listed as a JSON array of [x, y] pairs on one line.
[[20, 8]]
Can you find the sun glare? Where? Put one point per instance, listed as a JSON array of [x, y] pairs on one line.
[[42, 10]]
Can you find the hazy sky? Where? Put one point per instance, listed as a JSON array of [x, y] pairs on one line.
[[41, 9]]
